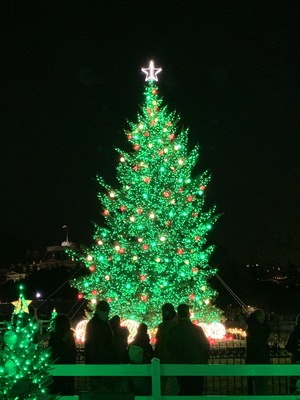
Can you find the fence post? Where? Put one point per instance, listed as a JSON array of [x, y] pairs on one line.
[[156, 379]]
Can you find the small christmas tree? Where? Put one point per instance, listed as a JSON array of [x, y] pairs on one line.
[[24, 365], [152, 248]]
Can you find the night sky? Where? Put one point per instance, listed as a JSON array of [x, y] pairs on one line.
[[70, 77]]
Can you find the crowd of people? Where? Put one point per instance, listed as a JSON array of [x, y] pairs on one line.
[[178, 341]]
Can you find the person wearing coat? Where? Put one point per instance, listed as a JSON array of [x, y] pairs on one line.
[[257, 349], [99, 346], [189, 345], [62, 343], [293, 347], [169, 384]]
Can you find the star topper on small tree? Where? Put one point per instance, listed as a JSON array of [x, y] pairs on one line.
[[21, 305]]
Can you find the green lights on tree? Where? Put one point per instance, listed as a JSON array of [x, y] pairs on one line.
[[153, 248]]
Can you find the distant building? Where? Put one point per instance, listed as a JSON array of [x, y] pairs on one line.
[[56, 256], [14, 276]]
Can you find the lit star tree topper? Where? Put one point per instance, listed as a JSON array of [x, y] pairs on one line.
[[151, 72], [21, 305], [153, 247], [24, 364]]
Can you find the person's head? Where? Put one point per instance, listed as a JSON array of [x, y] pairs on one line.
[[183, 311], [62, 323], [259, 315], [298, 319], [142, 329], [115, 322], [168, 311], [102, 310]]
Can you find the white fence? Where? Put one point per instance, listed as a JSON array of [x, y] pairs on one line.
[[155, 370]]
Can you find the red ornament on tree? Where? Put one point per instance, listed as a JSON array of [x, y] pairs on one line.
[[171, 136], [160, 153], [202, 187], [143, 278], [123, 208], [169, 123], [92, 268], [146, 247], [180, 190], [180, 251], [146, 134], [197, 238], [80, 296], [167, 194], [195, 215], [190, 198], [122, 251], [154, 91], [144, 297], [195, 270], [147, 179], [139, 210], [192, 297], [152, 123], [105, 213], [136, 147], [135, 168], [94, 292], [129, 136]]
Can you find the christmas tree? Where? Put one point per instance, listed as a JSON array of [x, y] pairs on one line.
[[152, 249], [24, 365]]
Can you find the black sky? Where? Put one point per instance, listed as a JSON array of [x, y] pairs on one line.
[[70, 77]]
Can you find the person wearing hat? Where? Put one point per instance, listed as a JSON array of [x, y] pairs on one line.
[[99, 344], [189, 345], [169, 384]]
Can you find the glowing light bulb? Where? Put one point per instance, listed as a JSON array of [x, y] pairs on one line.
[[141, 126], [140, 240], [176, 147], [107, 277], [150, 145], [206, 301], [166, 150], [112, 194], [157, 260], [162, 238], [89, 258], [100, 242], [134, 258], [132, 219], [122, 159], [117, 247], [180, 161], [94, 301], [152, 215]]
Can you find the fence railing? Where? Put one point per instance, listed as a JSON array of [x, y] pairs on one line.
[[155, 370]]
